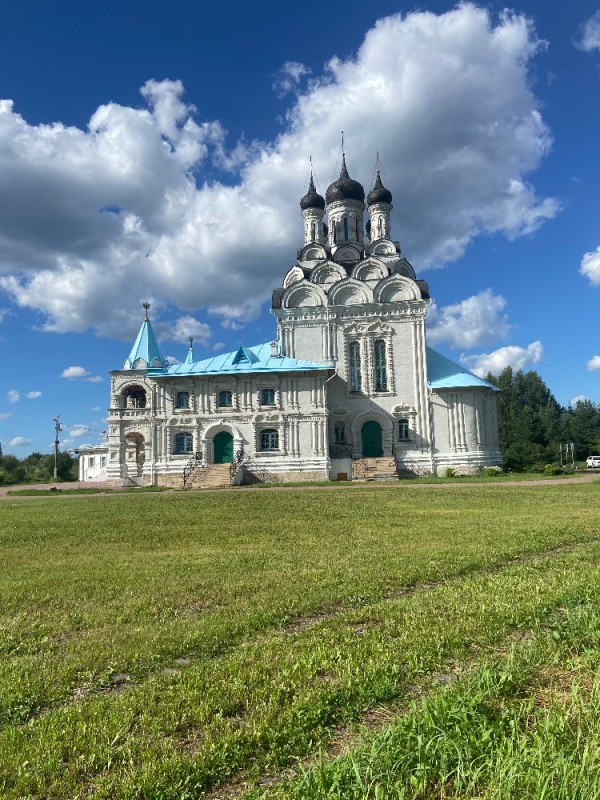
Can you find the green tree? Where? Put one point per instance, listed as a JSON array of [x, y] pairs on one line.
[[530, 420], [583, 428]]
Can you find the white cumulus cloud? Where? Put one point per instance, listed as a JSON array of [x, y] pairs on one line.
[[593, 364], [19, 441], [182, 328], [474, 322], [5, 415], [511, 356], [590, 266], [131, 201], [33, 395], [290, 75], [77, 431], [76, 373], [13, 396], [590, 34]]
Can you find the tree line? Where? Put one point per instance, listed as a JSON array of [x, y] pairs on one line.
[[532, 425], [37, 468]]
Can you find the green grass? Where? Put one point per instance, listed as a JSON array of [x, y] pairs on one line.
[[159, 646], [504, 477]]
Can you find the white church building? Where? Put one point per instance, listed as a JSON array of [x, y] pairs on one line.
[[348, 390]]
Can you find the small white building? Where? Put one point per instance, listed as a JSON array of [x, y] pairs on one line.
[[93, 460], [349, 389]]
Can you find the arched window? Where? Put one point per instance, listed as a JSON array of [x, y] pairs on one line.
[[339, 432], [182, 400], [403, 430], [135, 397], [269, 439], [355, 376], [380, 366], [225, 399], [184, 443], [345, 229]]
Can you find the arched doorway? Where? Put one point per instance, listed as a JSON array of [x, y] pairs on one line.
[[223, 448], [372, 446], [134, 455]]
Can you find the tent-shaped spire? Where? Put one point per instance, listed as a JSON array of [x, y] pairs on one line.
[[189, 359], [145, 353]]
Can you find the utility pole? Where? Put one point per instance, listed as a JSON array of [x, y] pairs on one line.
[[57, 430]]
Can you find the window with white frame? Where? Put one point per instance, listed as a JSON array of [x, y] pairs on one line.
[[182, 400], [184, 443], [225, 399], [91, 462], [267, 397], [269, 439], [403, 430], [102, 462], [355, 366], [380, 365]]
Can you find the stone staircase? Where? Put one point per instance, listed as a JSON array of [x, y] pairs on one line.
[[211, 476], [376, 469]]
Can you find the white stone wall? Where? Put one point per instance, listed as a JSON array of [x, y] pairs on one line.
[[298, 415], [93, 463], [465, 430]]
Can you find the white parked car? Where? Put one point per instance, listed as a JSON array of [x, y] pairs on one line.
[[593, 462]]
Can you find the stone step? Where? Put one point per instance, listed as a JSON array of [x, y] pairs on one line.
[[382, 468], [212, 476]]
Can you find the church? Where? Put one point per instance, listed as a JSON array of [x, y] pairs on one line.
[[348, 390]]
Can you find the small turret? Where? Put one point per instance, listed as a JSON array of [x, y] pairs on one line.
[[312, 206], [145, 353], [379, 202]]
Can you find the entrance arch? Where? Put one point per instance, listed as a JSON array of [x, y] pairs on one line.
[[223, 448], [372, 440], [134, 455]]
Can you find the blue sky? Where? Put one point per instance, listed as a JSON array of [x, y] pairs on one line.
[[158, 152]]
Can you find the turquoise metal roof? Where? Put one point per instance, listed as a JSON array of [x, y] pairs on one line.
[[145, 353], [242, 361], [445, 374]]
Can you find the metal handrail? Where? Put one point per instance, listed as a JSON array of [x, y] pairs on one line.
[[191, 467]]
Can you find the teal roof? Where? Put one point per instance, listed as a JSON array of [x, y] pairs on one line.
[[242, 361], [145, 353], [445, 374]]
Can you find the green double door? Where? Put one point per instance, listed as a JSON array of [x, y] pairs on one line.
[[223, 448], [372, 446]]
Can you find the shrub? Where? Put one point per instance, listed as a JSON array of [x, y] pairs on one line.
[[492, 472], [553, 469], [449, 472]]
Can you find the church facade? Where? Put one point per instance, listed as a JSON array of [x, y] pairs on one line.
[[349, 389]]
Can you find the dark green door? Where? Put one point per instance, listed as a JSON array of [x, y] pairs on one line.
[[371, 440], [223, 444]]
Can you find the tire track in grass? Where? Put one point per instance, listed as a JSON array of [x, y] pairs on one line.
[[533, 707], [374, 721], [289, 711], [121, 682]]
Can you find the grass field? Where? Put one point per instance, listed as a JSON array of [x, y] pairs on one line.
[[378, 643]]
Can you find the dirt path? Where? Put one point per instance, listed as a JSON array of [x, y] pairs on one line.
[[584, 477]]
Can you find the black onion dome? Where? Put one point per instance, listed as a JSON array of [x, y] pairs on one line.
[[379, 194], [312, 199], [345, 188]]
